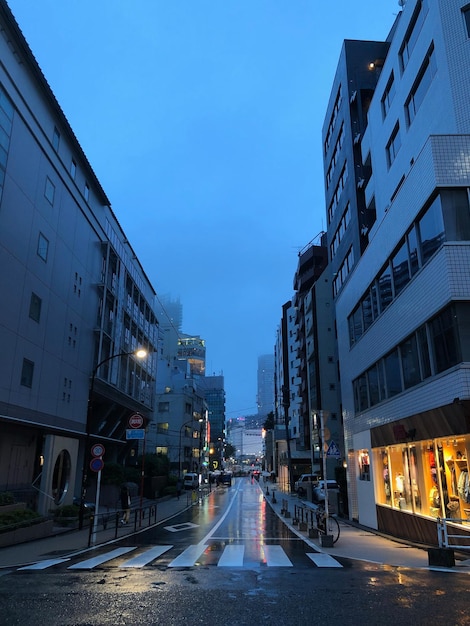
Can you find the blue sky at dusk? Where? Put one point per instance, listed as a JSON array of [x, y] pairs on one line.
[[202, 120]]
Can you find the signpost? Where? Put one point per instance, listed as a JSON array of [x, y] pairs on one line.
[[136, 421], [96, 465], [135, 431]]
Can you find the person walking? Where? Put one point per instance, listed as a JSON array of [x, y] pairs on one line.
[[125, 504], [179, 487]]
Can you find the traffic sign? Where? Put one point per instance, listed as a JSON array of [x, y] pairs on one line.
[[136, 421], [333, 450], [96, 464], [135, 433], [97, 449]]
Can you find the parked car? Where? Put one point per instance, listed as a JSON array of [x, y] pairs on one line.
[[300, 486], [191, 480], [318, 492]]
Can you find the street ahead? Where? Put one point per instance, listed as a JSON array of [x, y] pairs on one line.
[[227, 560]]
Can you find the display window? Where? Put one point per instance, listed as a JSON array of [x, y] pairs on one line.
[[428, 478]]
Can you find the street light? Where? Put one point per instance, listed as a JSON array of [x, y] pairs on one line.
[[140, 354]]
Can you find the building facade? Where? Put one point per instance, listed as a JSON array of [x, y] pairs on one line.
[[77, 303], [402, 315]]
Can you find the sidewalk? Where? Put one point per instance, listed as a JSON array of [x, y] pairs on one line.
[[356, 542], [65, 542]]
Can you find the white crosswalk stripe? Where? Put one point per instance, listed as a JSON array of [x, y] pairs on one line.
[[146, 557], [233, 555], [323, 560], [102, 558], [189, 557]]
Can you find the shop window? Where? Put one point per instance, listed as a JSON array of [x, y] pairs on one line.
[[364, 465]]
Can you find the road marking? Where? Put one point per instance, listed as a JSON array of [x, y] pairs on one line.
[[45, 564], [189, 557], [178, 527], [232, 556], [146, 557], [323, 560], [102, 558], [276, 557]]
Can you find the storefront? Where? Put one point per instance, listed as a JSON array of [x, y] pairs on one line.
[[420, 472]]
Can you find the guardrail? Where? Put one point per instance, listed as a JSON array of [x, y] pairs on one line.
[[146, 516], [451, 539]]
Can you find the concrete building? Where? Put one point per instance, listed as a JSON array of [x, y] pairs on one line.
[[402, 314], [265, 379], [74, 296]]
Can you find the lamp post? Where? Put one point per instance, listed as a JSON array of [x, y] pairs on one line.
[[140, 354]]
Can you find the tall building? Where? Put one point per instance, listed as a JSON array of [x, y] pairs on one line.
[[77, 302], [265, 377], [212, 388], [403, 314]]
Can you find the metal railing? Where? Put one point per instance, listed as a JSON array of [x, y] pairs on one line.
[[448, 534], [111, 522]]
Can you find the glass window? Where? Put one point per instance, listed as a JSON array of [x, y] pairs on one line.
[[364, 465], [426, 74], [466, 17], [423, 347], [35, 307], [392, 373], [388, 95], [360, 393], [412, 34], [367, 314], [400, 268], [410, 362], [374, 385], [393, 145], [413, 251], [431, 230], [73, 169], [87, 192], [385, 288], [43, 247], [163, 407], [49, 191], [355, 325], [444, 340], [56, 139], [27, 372]]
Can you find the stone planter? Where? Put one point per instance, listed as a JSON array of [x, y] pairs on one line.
[[27, 533]]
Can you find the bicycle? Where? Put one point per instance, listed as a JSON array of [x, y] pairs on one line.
[[330, 526]]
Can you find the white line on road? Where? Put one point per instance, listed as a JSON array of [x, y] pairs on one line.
[[102, 558], [146, 557], [232, 556], [45, 564], [276, 557], [322, 559]]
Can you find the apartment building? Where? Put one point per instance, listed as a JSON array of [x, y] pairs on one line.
[[402, 310], [76, 303]]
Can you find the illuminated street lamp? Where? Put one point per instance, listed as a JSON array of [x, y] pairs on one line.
[[140, 354]]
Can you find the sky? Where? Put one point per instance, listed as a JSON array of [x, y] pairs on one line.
[[202, 120]]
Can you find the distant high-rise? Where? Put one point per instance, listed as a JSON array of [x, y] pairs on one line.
[[265, 399]]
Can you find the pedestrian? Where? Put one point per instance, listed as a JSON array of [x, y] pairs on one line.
[[125, 504], [179, 486]]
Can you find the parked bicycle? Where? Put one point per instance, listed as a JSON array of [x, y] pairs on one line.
[[328, 526]]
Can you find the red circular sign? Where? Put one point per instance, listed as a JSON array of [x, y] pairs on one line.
[[97, 464], [97, 449], [136, 421]]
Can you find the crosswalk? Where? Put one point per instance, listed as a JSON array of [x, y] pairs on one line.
[[231, 555]]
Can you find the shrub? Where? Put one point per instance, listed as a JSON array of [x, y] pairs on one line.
[[68, 510], [6, 498], [17, 517]]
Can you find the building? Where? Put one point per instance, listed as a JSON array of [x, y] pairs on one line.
[[402, 314], [265, 379], [212, 388], [77, 302]]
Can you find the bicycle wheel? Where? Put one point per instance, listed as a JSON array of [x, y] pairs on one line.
[[333, 528]]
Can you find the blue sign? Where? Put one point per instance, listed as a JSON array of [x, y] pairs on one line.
[[135, 433], [96, 464], [333, 450]]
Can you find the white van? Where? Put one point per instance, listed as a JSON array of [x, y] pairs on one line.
[[191, 480]]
